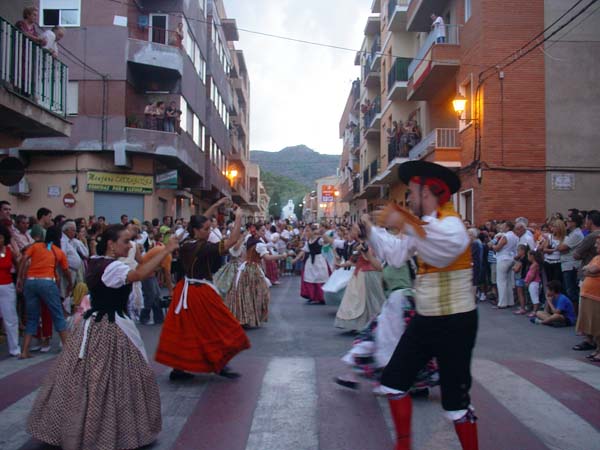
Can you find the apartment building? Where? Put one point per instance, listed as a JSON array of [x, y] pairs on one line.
[[124, 56], [512, 143]]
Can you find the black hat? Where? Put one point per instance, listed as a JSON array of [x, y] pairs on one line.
[[427, 169]]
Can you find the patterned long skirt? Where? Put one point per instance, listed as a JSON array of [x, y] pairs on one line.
[[272, 271], [202, 338], [108, 400], [225, 277], [249, 299]]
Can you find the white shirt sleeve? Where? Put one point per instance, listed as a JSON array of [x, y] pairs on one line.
[[445, 241], [81, 248], [338, 243], [262, 249], [115, 274], [305, 248]]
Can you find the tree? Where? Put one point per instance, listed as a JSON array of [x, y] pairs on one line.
[[275, 204]]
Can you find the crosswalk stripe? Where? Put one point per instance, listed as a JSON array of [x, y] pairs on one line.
[[583, 371], [13, 433], [285, 414], [532, 406]]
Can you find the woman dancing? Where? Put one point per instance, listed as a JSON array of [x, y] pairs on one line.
[[102, 394], [199, 333]]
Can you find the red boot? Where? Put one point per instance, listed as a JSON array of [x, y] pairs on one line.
[[466, 429], [401, 414]]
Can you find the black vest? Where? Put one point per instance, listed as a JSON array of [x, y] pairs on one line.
[[105, 300]]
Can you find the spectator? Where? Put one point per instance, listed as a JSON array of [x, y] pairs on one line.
[[439, 28], [28, 25], [102, 221], [492, 287], [5, 217], [589, 308], [37, 279], [52, 37], [533, 279], [8, 295], [124, 219], [549, 246], [520, 271], [558, 311], [177, 36], [170, 114], [44, 218], [149, 116], [74, 249], [569, 265], [19, 233], [159, 115], [525, 236], [477, 257], [151, 287], [505, 249], [59, 220]]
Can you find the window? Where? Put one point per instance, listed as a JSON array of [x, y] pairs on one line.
[[466, 90], [466, 205], [467, 10], [183, 108], [65, 13], [196, 131], [158, 28], [190, 120], [73, 98], [199, 63]]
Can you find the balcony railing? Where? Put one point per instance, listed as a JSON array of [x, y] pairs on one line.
[[392, 6], [356, 186], [438, 138], [30, 71], [366, 177], [356, 89], [432, 39], [371, 112], [399, 71], [375, 49], [373, 168]]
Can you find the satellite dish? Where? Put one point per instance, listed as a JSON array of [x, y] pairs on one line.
[[11, 171]]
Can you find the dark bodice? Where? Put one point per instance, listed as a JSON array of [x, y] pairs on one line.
[[105, 300], [314, 249], [196, 257]]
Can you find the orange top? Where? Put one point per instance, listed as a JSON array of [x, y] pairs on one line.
[[165, 263], [463, 261], [44, 261], [591, 285]]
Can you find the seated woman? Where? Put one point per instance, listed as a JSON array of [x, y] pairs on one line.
[[102, 392]]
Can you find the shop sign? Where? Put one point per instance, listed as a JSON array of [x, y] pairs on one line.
[[119, 182], [167, 180], [563, 181], [54, 191], [327, 193], [69, 200]]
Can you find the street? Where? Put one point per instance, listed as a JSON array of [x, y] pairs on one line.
[[530, 391]]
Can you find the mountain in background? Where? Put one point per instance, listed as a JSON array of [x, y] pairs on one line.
[[300, 163]]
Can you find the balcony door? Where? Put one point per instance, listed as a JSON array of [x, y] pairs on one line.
[[158, 28]]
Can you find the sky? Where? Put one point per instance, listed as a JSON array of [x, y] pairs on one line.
[[298, 91]]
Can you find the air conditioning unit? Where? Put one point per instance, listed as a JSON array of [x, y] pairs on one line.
[[21, 188]]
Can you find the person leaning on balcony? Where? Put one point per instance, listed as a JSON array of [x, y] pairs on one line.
[[28, 25], [149, 119], [159, 114], [177, 36], [439, 27], [170, 115], [52, 37]]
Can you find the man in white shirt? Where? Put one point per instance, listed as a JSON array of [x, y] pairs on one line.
[[52, 37], [568, 264], [445, 325], [525, 236], [215, 235], [70, 247], [439, 28]]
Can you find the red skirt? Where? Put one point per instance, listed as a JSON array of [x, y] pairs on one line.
[[271, 271], [202, 338]]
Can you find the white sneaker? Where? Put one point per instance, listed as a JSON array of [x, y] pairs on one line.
[[35, 348], [45, 349]]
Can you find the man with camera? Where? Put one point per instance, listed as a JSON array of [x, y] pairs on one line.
[[445, 325]]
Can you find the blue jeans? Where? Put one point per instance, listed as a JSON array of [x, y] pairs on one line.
[[440, 39], [571, 285], [46, 290]]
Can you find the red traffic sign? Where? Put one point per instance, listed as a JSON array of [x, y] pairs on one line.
[[69, 200]]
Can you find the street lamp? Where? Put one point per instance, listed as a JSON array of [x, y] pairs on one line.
[[459, 103], [231, 175]]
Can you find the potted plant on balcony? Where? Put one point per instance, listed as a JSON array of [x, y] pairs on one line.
[[132, 121]]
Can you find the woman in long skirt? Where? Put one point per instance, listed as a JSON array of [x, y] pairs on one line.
[[364, 294], [249, 297], [101, 394], [225, 276], [316, 270], [199, 333]]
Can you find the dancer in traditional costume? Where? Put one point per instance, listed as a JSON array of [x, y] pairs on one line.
[[226, 275], [271, 265], [249, 297], [364, 294], [316, 270], [445, 325], [101, 394], [199, 333]]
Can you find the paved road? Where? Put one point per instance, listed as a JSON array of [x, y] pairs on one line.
[[530, 392]]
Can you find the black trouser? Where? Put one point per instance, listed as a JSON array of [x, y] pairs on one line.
[[151, 291], [450, 339]]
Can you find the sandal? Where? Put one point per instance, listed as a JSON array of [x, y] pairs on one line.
[[582, 346], [531, 314], [591, 356], [595, 359], [519, 312]]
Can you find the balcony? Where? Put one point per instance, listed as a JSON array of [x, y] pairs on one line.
[[177, 150], [398, 79], [372, 119], [156, 49], [33, 89], [441, 146], [356, 186], [434, 66], [373, 26], [365, 178], [397, 15], [419, 13], [375, 55], [240, 84], [371, 73], [217, 181]]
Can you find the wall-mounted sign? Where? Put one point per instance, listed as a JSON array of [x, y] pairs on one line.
[[327, 193], [69, 200], [119, 182], [563, 181], [54, 191], [167, 180]]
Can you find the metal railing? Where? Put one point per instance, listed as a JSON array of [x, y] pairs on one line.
[[399, 71], [373, 169], [392, 7], [370, 115], [29, 70], [451, 38], [365, 177], [438, 138], [356, 185], [375, 49]]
